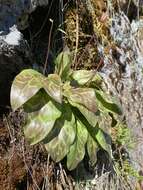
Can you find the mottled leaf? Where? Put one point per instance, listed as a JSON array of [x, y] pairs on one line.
[[91, 117], [83, 96], [77, 149], [103, 142], [110, 106], [105, 122], [92, 149], [63, 64], [83, 77], [25, 86], [53, 86], [41, 122], [59, 146], [36, 102]]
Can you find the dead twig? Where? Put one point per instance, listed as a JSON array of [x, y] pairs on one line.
[[48, 49]]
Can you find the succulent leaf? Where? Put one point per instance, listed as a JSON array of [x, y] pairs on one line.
[[77, 149], [82, 77], [92, 149], [106, 104], [36, 102], [59, 146], [103, 142], [41, 122], [53, 86], [63, 64], [91, 117], [83, 96], [25, 85]]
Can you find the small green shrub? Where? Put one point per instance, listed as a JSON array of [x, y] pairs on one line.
[[124, 136], [67, 111]]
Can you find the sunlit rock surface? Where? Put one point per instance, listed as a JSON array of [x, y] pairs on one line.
[[13, 11], [14, 51], [14, 56], [123, 74]]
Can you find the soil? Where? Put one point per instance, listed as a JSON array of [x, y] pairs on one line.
[[25, 167]]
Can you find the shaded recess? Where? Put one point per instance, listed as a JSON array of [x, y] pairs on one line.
[[35, 27], [41, 33]]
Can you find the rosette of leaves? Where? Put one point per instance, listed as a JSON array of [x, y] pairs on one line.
[[67, 111]]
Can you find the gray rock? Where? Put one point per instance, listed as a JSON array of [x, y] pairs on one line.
[[14, 51], [123, 76], [36, 3], [12, 10], [12, 61]]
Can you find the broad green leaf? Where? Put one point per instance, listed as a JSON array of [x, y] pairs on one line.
[[110, 106], [105, 122], [25, 86], [102, 138], [103, 142], [83, 77], [59, 146], [97, 78], [83, 96], [92, 149], [36, 102], [41, 122], [63, 64], [53, 86], [91, 117], [77, 149]]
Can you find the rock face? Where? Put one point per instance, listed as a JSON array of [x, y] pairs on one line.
[[13, 48], [36, 3], [123, 74], [14, 52], [13, 59]]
